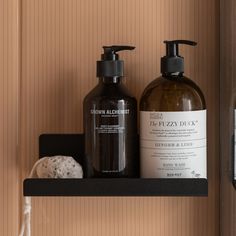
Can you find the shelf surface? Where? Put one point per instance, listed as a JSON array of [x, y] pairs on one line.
[[115, 187], [73, 145]]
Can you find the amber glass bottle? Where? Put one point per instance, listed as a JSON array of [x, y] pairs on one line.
[[173, 122], [110, 122]]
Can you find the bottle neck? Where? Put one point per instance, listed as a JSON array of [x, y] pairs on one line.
[[110, 80], [173, 75]]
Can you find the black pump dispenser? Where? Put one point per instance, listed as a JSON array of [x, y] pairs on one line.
[[173, 62], [110, 65]]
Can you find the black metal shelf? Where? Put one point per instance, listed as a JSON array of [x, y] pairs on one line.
[[115, 187], [73, 145]]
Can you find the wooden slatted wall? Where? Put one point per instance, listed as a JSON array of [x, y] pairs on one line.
[[60, 43], [9, 115]]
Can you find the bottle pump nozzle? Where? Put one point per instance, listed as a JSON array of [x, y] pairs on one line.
[[110, 65], [173, 62]]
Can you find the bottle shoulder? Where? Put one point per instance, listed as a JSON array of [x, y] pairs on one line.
[[172, 94], [109, 92], [172, 84]]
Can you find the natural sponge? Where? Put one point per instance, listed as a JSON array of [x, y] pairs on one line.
[[59, 167]]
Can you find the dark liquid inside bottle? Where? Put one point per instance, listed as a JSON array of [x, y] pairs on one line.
[[172, 93], [173, 129], [110, 127]]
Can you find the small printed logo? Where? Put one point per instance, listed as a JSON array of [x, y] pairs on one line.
[[156, 116], [195, 175]]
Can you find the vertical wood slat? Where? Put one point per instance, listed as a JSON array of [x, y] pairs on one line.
[[61, 41], [9, 85], [228, 98]]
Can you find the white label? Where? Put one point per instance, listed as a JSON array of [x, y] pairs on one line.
[[235, 144], [173, 144]]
